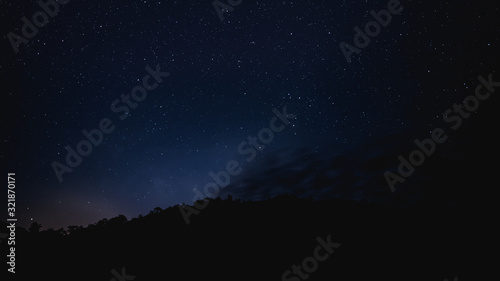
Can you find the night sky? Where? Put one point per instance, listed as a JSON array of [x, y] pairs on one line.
[[225, 78]]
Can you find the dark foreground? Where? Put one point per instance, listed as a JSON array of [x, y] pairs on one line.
[[233, 240]]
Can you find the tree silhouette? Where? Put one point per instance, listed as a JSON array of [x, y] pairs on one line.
[[102, 223], [61, 232], [117, 220], [156, 210], [35, 227], [72, 229]]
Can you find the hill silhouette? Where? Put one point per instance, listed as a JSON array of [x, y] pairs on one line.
[[256, 240]]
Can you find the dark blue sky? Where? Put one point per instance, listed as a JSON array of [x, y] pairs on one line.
[[225, 79]]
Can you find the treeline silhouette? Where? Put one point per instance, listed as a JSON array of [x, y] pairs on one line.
[[233, 239]]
